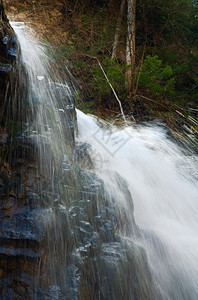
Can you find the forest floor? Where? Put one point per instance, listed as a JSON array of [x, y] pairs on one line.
[[55, 30]]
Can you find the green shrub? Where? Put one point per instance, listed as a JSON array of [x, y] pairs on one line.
[[115, 73], [156, 78]]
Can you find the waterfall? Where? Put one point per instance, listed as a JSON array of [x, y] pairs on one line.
[[50, 102], [122, 201], [164, 188]]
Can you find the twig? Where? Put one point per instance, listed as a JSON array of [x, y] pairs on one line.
[[189, 118], [108, 81], [149, 99]]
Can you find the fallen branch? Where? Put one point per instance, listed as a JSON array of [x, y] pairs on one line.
[[188, 118], [155, 101], [108, 81]]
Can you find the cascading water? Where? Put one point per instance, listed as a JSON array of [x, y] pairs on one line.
[[164, 188], [96, 251], [48, 101]]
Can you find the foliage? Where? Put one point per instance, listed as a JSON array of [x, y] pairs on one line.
[[86, 107], [165, 21], [166, 48], [64, 52], [155, 77], [115, 73]]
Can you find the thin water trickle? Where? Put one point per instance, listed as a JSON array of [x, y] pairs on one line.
[[146, 178], [49, 98]]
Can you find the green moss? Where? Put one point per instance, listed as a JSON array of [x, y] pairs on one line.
[[86, 107]]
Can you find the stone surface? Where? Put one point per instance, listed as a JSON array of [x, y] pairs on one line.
[[22, 223], [58, 240]]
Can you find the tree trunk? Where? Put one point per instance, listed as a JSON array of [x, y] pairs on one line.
[[130, 46], [118, 29]]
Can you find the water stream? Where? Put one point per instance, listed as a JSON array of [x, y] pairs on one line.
[[164, 188], [149, 182]]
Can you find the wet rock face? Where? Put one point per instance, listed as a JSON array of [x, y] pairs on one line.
[[22, 223], [102, 265], [57, 241], [22, 227], [7, 65], [10, 72]]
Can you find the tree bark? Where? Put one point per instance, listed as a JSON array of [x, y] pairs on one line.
[[118, 29], [130, 45]]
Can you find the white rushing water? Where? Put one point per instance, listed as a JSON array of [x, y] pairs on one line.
[[49, 99], [161, 180], [163, 185]]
